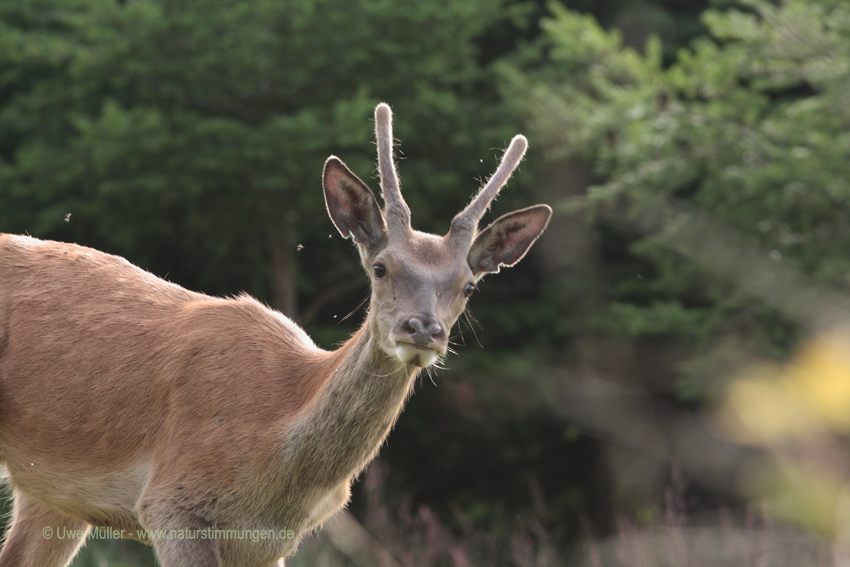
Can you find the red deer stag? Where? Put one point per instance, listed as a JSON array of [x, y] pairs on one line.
[[214, 428]]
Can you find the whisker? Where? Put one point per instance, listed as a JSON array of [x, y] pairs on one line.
[[471, 316], [374, 375], [429, 372], [469, 320], [365, 299], [460, 330]]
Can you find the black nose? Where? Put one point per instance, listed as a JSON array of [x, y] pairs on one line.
[[423, 329]]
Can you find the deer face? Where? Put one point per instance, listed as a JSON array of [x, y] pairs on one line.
[[419, 289], [421, 282]]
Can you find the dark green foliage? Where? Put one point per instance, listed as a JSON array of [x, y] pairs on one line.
[[197, 130], [741, 142]]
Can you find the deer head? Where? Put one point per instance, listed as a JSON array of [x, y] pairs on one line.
[[421, 282]]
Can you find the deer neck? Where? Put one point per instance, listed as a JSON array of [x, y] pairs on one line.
[[343, 427]]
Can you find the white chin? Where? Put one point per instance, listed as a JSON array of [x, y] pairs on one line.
[[421, 357]]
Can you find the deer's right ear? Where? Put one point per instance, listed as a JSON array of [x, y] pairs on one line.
[[352, 206]]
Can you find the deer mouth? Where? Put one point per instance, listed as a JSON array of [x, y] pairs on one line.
[[416, 355]]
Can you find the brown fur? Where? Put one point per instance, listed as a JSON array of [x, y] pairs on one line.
[[131, 403]]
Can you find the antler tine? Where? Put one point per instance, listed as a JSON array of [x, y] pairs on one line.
[[466, 222], [398, 213]]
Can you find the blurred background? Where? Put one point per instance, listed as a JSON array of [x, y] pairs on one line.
[[664, 380]]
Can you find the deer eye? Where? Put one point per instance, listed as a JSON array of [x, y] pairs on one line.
[[468, 290], [380, 270]]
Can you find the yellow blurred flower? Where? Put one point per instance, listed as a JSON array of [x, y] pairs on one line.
[[762, 408], [821, 373], [773, 402], [796, 410]]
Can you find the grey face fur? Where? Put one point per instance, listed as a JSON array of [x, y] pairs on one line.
[[421, 282]]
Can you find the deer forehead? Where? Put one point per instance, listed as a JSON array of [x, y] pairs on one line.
[[427, 258]]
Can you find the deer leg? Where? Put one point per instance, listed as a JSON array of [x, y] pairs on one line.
[[174, 550], [186, 553], [174, 533], [39, 536]]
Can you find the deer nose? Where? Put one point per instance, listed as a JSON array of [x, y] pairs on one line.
[[423, 330]]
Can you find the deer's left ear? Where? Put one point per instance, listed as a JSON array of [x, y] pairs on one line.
[[506, 241]]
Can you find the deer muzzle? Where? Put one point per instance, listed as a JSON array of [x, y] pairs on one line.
[[420, 340]]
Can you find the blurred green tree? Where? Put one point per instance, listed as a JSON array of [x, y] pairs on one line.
[[707, 174], [164, 129]]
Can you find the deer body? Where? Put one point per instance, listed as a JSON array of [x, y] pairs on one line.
[[131, 403]]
